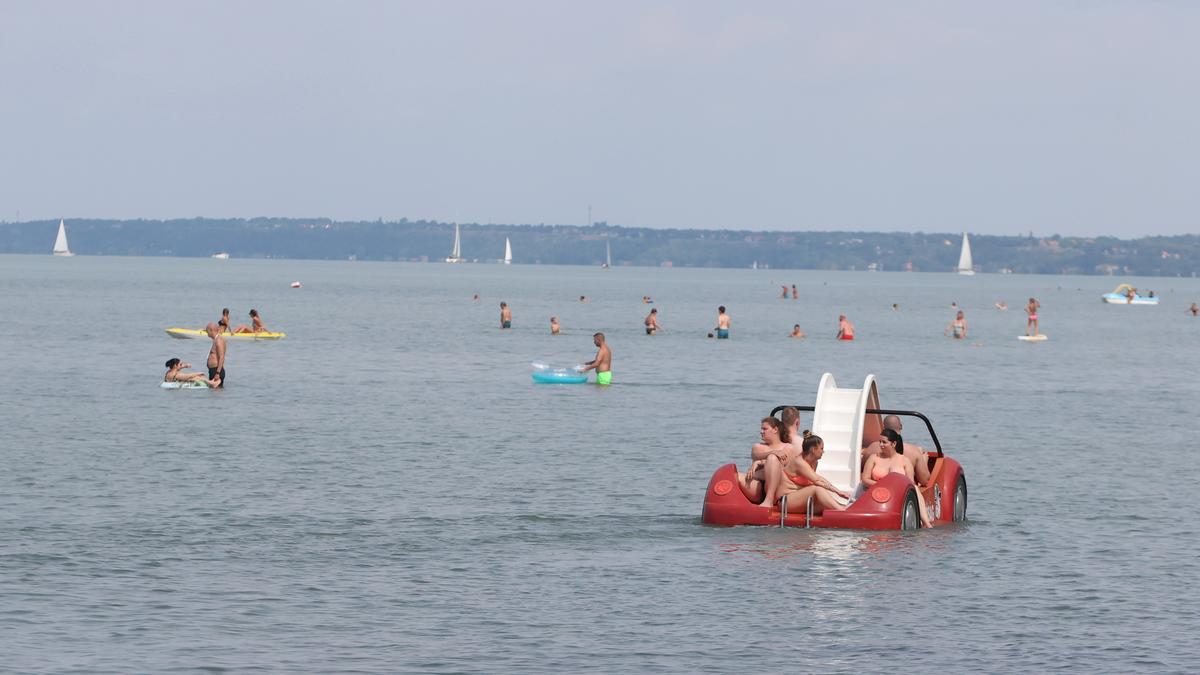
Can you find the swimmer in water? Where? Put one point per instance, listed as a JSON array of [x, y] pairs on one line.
[[1194, 309], [796, 332], [505, 315], [845, 328], [652, 322], [554, 329], [958, 327], [723, 323]]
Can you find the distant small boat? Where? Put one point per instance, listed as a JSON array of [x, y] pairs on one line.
[[1128, 295], [456, 252], [965, 266], [60, 242], [296, 284], [507, 252], [221, 256]]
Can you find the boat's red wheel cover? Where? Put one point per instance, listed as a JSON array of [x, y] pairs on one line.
[[722, 488], [881, 494]]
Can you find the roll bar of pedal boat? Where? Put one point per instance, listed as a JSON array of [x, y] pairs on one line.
[[878, 411]]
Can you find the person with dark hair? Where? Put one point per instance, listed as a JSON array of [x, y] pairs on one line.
[[796, 332], [652, 322], [722, 323], [555, 329], [800, 481], [891, 460], [505, 315], [602, 364], [175, 373], [216, 355], [256, 324], [226, 324]]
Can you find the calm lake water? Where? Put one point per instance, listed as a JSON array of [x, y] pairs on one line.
[[386, 490]]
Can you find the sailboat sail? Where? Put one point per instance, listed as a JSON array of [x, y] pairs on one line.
[[965, 266], [507, 252], [607, 254], [456, 253], [60, 242]]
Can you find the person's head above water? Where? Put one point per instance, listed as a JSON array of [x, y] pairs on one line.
[[654, 311], [173, 363], [598, 338], [503, 304], [721, 309]]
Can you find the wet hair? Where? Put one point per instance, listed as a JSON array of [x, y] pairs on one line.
[[171, 363], [784, 434], [254, 312], [598, 335], [894, 438], [811, 443], [789, 416], [503, 304], [654, 311], [224, 311], [721, 309]]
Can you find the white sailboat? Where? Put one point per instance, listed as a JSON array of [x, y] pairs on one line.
[[456, 254], [507, 252], [965, 266], [607, 255], [60, 242]]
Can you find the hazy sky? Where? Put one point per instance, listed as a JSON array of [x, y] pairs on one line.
[[1001, 117]]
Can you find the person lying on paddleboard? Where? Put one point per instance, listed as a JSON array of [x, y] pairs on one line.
[[175, 373]]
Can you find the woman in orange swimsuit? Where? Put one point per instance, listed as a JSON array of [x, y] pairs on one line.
[[800, 481], [891, 460], [761, 480]]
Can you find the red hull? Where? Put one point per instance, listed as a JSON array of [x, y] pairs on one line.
[[879, 508]]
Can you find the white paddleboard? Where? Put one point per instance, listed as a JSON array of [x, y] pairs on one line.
[[1040, 337]]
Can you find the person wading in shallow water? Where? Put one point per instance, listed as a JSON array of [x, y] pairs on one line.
[[216, 355], [602, 364]]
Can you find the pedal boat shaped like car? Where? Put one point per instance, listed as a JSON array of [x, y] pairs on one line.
[[1128, 295], [848, 420], [199, 333]]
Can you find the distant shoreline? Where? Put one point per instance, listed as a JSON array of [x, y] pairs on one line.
[[429, 241]]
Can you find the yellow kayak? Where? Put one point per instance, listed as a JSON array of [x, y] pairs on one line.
[[194, 333]]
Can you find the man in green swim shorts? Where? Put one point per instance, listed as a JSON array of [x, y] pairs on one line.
[[602, 364]]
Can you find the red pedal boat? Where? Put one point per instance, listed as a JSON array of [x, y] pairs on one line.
[[848, 420]]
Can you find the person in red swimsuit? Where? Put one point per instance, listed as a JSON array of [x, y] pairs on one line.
[[845, 328], [800, 481]]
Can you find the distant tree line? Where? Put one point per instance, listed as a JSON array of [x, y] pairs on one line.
[[420, 240]]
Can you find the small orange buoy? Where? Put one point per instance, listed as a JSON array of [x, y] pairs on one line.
[[296, 284]]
